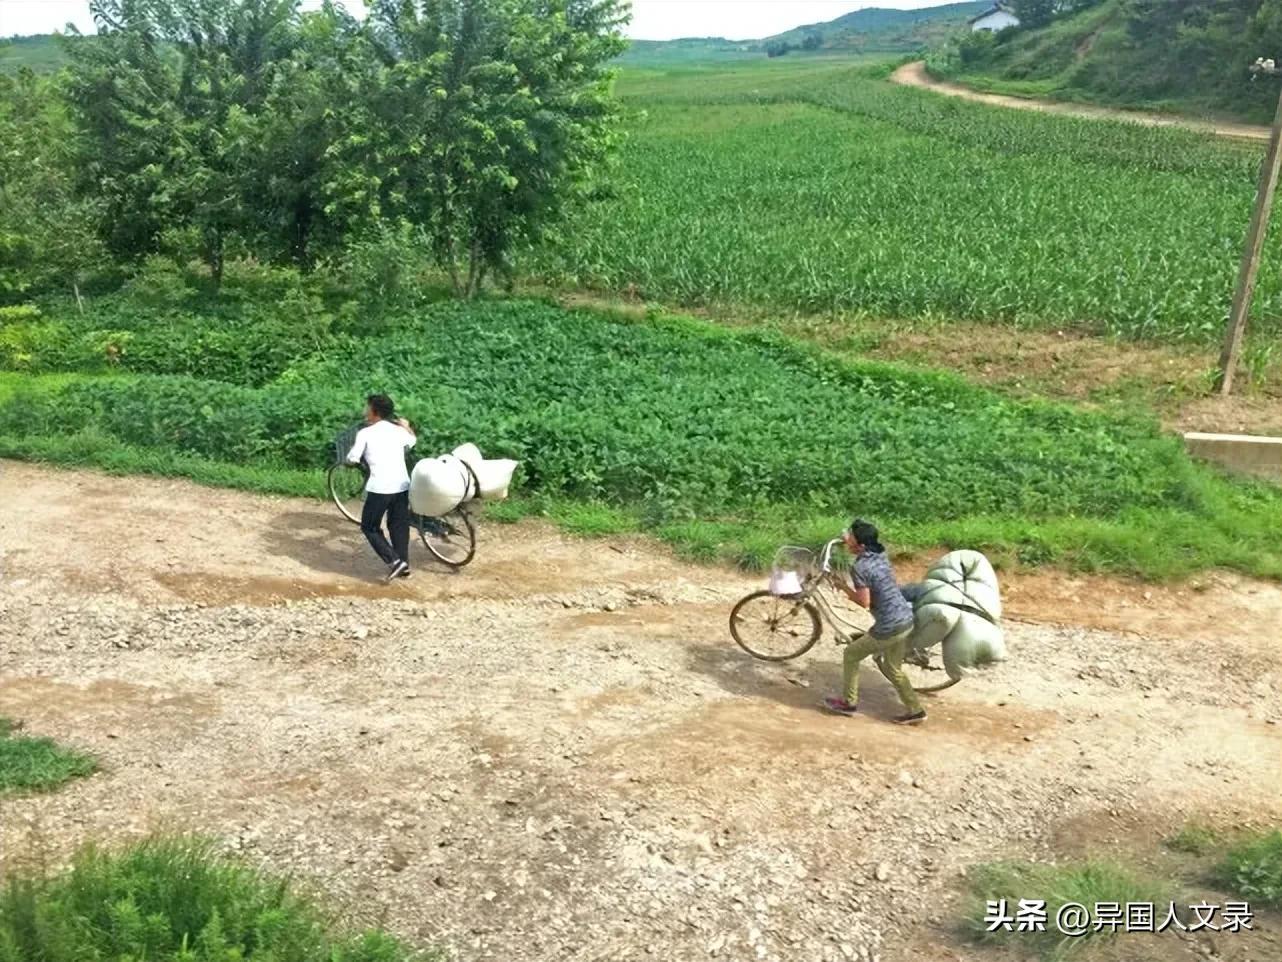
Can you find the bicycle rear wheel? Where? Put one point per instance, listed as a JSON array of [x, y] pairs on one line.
[[346, 483], [774, 629], [451, 539], [925, 676]]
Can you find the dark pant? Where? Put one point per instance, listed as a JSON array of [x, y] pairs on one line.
[[397, 509]]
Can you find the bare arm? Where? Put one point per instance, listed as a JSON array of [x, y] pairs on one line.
[[860, 596]]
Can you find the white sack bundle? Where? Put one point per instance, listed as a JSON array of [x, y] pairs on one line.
[[438, 486], [959, 606], [492, 477]]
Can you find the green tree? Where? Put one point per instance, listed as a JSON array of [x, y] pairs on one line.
[[479, 125], [1034, 13], [290, 154], [166, 97], [48, 235]]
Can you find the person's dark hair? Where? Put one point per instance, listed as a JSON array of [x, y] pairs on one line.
[[866, 534], [381, 405]]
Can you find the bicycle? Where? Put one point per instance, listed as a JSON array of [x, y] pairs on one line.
[[450, 539], [794, 610]]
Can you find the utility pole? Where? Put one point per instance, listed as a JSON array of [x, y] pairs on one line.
[[1235, 334]]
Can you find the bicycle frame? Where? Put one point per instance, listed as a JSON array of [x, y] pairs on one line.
[[845, 631], [836, 622]]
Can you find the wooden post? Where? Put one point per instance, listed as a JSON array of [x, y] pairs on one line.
[[1236, 332]]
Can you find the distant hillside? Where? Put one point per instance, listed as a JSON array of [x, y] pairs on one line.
[[893, 30], [41, 53], [688, 50], [1186, 55], [874, 30]]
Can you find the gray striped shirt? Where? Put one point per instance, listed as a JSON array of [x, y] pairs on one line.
[[891, 612]]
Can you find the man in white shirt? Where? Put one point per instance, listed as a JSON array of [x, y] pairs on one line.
[[382, 445]]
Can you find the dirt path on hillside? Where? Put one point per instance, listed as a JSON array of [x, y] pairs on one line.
[[915, 75], [558, 753]]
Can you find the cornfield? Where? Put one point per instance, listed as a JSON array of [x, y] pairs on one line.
[[828, 190]]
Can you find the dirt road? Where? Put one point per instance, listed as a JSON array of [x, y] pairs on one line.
[[915, 75], [558, 754]]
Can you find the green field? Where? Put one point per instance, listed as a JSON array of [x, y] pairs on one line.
[[725, 443], [818, 187]]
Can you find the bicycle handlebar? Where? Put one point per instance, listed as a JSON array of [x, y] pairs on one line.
[[825, 563]]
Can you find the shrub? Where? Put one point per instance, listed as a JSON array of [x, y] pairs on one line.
[[1193, 840], [18, 314], [36, 764], [241, 343], [975, 47], [174, 900], [159, 282], [1085, 883], [1253, 869], [384, 268]]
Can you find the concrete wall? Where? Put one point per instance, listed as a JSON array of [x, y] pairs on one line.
[[1240, 453]]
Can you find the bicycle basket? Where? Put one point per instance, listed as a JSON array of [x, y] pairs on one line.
[[792, 569], [343, 443]]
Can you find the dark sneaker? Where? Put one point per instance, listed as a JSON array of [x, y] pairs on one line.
[[406, 573], [839, 706], [916, 718], [396, 570]]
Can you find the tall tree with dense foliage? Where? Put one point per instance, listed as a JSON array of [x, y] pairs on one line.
[[1034, 13], [217, 126], [166, 97], [48, 234], [480, 124]]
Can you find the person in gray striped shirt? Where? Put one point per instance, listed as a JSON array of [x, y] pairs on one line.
[[873, 586]]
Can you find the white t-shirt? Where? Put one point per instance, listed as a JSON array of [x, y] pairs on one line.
[[383, 445]]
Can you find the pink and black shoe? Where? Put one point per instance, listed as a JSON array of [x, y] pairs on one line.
[[839, 706]]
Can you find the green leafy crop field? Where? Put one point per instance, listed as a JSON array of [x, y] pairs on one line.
[[820, 187], [724, 442]]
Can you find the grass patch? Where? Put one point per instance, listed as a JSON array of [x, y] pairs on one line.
[[1195, 840], [175, 900], [1084, 883], [37, 764], [592, 519], [1252, 868]]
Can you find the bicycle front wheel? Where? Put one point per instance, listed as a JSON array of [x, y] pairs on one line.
[[775, 629], [346, 484], [451, 539]]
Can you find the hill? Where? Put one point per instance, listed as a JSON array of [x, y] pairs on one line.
[[42, 53], [878, 29], [873, 30], [1167, 54], [688, 50]]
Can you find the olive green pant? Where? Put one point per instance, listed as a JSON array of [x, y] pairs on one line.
[[889, 656]]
